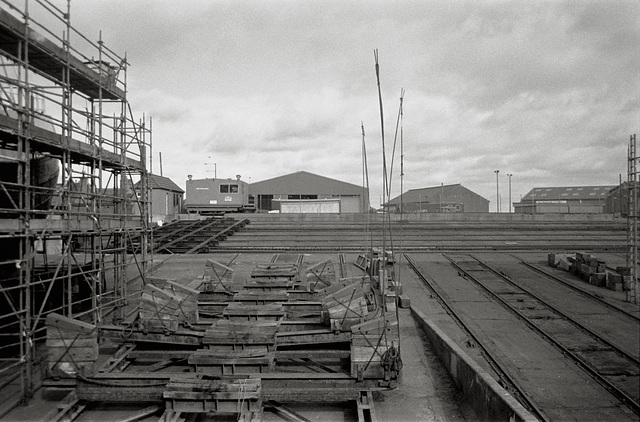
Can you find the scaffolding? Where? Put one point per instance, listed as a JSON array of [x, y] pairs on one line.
[[73, 229], [632, 222]]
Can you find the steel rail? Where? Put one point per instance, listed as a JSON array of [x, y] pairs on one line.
[[578, 289], [615, 391], [228, 230], [505, 378], [506, 278]]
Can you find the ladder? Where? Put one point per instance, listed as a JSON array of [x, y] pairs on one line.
[[632, 222]]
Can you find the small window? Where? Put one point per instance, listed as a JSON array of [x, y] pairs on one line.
[[548, 190], [592, 193], [596, 188], [224, 188], [233, 188], [543, 194], [574, 194], [564, 194], [569, 189], [580, 189]]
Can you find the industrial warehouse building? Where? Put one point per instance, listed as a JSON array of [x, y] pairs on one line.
[[308, 193], [564, 200], [438, 199], [617, 201]]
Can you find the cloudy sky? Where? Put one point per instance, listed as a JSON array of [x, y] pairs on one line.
[[546, 90]]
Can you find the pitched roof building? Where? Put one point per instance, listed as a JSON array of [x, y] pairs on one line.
[[436, 199], [305, 192], [166, 198], [567, 199], [164, 183]]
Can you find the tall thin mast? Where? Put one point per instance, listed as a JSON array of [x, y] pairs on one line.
[[385, 189]]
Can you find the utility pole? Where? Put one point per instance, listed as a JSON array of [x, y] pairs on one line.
[[632, 293], [215, 168], [497, 191], [509, 174]]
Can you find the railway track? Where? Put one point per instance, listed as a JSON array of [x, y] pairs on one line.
[[505, 379], [613, 367], [571, 286], [315, 236]]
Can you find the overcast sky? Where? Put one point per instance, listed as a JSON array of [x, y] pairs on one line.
[[546, 91]]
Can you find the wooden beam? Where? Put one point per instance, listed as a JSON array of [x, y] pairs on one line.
[[285, 412]]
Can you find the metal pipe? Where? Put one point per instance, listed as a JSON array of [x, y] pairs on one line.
[[497, 191]]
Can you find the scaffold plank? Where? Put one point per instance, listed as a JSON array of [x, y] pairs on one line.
[[52, 59]]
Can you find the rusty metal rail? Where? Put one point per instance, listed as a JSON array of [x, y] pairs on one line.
[[595, 360]]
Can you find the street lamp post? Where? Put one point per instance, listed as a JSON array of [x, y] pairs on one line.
[[509, 174], [497, 191]]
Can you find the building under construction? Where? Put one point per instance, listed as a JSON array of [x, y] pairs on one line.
[[71, 150]]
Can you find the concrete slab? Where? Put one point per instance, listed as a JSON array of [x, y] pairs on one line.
[[425, 391]]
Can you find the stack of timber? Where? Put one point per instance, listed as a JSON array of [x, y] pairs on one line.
[[239, 311], [591, 269], [305, 311], [231, 362], [263, 342], [275, 271], [269, 284], [241, 335], [72, 347], [203, 394], [212, 304], [260, 297]]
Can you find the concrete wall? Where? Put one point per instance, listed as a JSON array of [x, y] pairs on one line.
[[489, 400], [560, 208], [309, 206], [436, 217]]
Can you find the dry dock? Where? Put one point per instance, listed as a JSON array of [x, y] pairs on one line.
[[492, 333]]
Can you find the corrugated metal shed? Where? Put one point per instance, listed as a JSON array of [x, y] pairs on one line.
[[567, 193], [303, 182], [444, 198], [303, 185]]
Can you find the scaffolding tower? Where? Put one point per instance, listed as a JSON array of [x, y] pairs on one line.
[[632, 222], [72, 228]]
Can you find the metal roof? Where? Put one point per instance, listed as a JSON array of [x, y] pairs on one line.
[[164, 183], [432, 194], [568, 193], [303, 182]]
